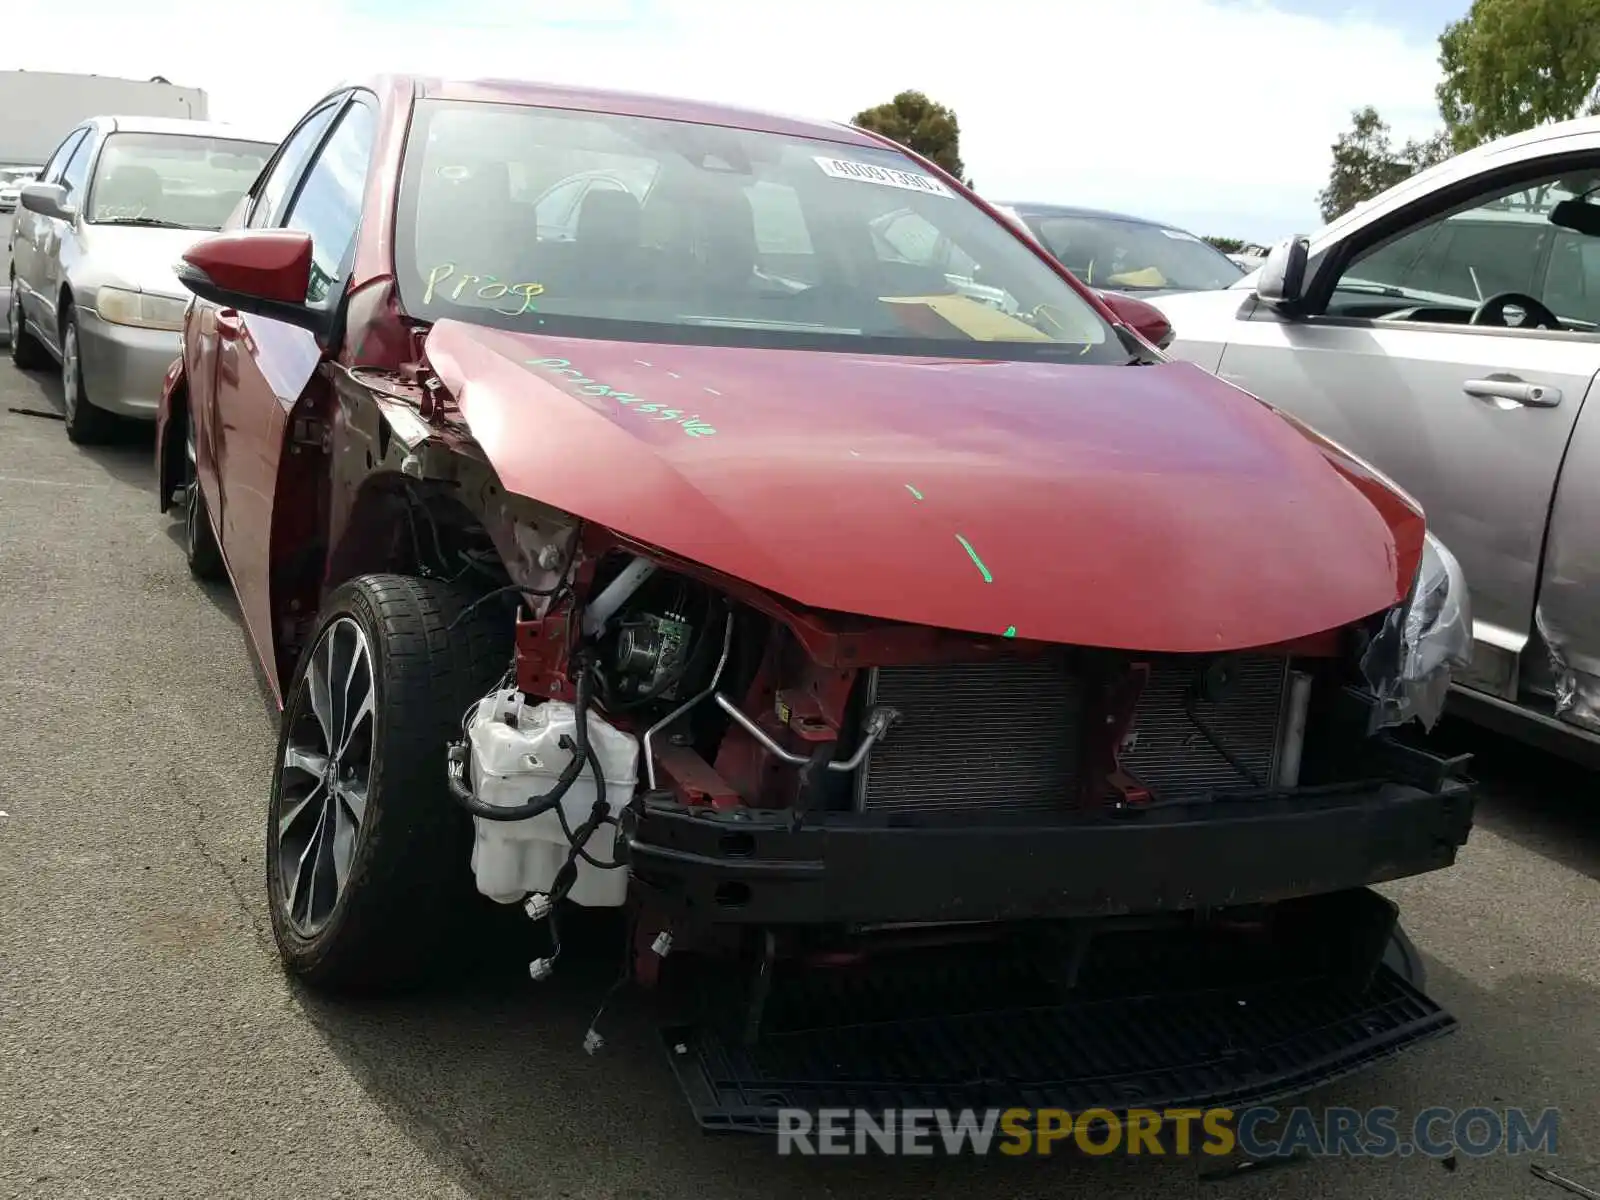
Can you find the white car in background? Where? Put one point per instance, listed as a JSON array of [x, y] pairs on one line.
[[11, 181]]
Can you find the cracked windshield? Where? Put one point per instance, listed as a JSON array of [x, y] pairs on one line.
[[1010, 584]]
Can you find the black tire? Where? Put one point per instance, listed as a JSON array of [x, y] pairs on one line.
[[86, 424], [200, 548], [408, 881], [1403, 958], [28, 353]]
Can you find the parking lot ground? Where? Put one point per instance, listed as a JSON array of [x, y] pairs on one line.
[[151, 1047]]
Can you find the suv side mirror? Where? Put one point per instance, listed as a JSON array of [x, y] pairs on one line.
[[1283, 276], [47, 199], [261, 271]]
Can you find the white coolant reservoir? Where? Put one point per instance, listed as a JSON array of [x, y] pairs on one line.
[[517, 755]]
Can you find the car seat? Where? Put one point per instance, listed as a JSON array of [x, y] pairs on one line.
[[725, 249], [607, 256]]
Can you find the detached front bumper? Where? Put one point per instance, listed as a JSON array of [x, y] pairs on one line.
[[123, 365], [753, 867]]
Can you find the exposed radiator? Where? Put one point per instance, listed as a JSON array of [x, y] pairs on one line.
[[1007, 735], [974, 735]]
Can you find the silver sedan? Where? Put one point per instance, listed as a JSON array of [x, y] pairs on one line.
[[94, 243]]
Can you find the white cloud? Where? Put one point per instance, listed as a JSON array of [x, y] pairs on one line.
[[1212, 113]]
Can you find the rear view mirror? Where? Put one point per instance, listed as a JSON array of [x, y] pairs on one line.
[[1144, 319], [1283, 276], [47, 199], [261, 271], [1578, 216]]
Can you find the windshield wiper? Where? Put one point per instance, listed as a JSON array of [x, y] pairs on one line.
[[152, 222]]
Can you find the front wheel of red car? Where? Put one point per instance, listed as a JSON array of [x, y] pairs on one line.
[[200, 549], [368, 857]]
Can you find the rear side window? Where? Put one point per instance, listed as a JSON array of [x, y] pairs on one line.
[[274, 194], [328, 205]]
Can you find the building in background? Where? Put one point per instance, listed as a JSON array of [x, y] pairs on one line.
[[39, 108]]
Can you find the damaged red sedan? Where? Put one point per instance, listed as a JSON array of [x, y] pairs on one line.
[[730, 520]]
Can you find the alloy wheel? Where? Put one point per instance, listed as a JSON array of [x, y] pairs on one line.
[[191, 491], [327, 772], [69, 369], [14, 314]]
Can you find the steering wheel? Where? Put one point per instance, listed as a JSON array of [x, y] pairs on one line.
[[1493, 312]]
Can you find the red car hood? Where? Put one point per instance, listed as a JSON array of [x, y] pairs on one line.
[[1152, 507]]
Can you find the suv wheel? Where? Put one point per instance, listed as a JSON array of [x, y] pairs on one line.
[[27, 352], [368, 857], [86, 424]]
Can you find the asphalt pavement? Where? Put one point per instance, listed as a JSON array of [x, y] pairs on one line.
[[151, 1047]]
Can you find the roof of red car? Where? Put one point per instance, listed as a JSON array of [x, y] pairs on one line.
[[553, 95]]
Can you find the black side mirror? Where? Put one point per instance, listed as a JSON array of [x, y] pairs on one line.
[[1578, 216], [1283, 276]]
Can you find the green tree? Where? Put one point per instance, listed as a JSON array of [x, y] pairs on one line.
[[919, 124], [1226, 245], [1365, 162], [1510, 65]]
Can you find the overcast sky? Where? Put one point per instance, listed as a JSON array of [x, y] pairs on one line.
[[1214, 114]]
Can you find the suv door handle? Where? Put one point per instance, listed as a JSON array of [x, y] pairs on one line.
[[1509, 387], [228, 324]]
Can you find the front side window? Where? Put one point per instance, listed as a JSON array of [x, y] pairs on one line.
[[1572, 284], [602, 225], [175, 181], [1442, 269], [328, 205], [1134, 256]]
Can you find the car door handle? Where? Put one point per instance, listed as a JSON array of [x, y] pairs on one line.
[[228, 324], [1508, 387]]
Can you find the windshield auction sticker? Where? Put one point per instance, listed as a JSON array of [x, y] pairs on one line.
[[911, 181]]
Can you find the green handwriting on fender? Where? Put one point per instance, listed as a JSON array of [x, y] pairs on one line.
[[692, 425], [489, 288]]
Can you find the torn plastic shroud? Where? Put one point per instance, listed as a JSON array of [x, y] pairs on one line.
[[1408, 663]]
